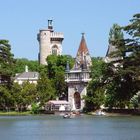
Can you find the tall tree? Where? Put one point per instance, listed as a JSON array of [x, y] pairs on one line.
[[24, 95], [6, 60], [115, 33], [125, 79], [95, 91], [56, 73], [45, 90], [132, 63], [6, 101]]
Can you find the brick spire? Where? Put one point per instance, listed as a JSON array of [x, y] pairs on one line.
[[83, 59], [83, 47]]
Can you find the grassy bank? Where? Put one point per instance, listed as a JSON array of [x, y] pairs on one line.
[[14, 113]]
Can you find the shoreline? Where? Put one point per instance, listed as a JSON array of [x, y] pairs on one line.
[[94, 113]]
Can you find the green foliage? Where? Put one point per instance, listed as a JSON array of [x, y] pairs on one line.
[[21, 63], [23, 95], [5, 98], [124, 81], [135, 100], [95, 96], [116, 39], [115, 33], [98, 66], [17, 96], [133, 29], [29, 93], [58, 63], [60, 84], [95, 91], [35, 108], [45, 90], [6, 62], [6, 58], [56, 72]]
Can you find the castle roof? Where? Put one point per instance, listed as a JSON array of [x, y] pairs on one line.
[[82, 47], [27, 75], [109, 55], [83, 59], [111, 49]]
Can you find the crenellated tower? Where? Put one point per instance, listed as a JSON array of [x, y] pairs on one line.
[[50, 42]]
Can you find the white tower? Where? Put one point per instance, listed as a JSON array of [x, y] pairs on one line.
[[50, 42]]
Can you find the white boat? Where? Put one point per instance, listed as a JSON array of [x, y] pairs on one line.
[[100, 113]]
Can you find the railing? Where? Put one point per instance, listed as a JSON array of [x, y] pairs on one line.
[[57, 35]]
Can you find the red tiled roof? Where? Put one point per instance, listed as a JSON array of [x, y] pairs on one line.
[[83, 47]]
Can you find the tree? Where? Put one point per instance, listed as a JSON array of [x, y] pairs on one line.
[[21, 63], [135, 100], [29, 94], [6, 101], [118, 90], [56, 73], [125, 79], [115, 34], [24, 95], [6, 61], [58, 63], [95, 91], [17, 97], [45, 90], [60, 84], [132, 63]]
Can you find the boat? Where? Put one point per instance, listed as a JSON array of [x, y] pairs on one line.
[[70, 115], [65, 116], [100, 113]]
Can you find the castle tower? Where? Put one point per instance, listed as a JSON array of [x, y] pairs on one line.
[[50, 42], [78, 77]]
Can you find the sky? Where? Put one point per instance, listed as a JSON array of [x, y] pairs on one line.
[[21, 20]]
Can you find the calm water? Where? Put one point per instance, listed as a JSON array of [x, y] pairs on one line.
[[79, 128]]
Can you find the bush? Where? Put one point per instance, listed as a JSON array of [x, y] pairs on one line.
[[35, 108]]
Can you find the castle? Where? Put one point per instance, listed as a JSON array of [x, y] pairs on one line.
[[50, 42], [78, 77]]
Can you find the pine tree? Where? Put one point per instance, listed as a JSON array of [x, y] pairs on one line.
[[132, 47], [6, 61]]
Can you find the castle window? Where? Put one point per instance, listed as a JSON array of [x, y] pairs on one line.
[[54, 50]]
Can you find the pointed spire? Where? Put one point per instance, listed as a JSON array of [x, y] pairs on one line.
[[83, 47], [83, 59]]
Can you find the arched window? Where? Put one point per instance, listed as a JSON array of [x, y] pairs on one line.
[[54, 50]]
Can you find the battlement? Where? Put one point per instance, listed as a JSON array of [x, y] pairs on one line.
[[57, 35]]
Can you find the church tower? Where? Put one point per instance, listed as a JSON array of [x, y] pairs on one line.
[[50, 42], [78, 77]]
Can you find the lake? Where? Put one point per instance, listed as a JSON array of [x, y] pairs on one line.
[[52, 127]]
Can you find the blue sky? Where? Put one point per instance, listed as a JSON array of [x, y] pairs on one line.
[[20, 21]]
